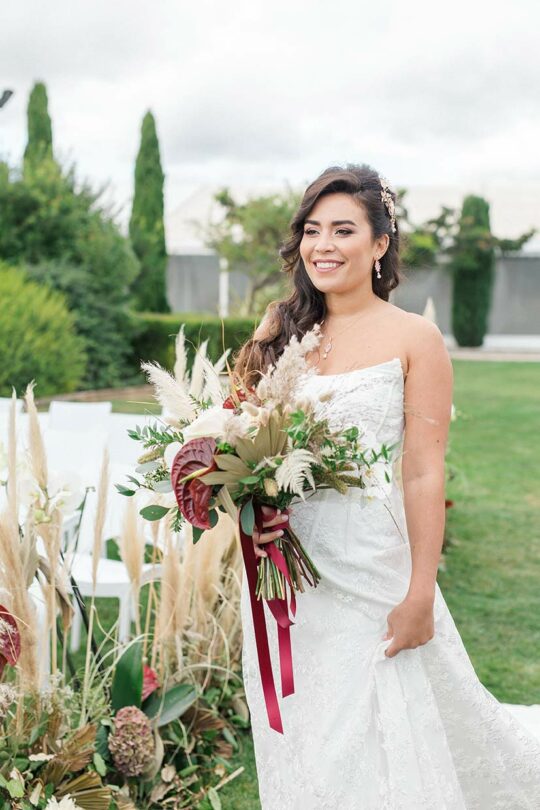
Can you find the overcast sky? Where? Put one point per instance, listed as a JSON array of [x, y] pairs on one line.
[[249, 92]]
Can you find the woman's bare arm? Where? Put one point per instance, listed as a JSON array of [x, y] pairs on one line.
[[428, 404]]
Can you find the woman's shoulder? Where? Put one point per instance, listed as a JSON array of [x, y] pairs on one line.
[[416, 334]]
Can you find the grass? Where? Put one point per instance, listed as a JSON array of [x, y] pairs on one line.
[[493, 570], [493, 562]]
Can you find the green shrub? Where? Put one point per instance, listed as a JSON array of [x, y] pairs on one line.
[[37, 337], [472, 265], [156, 334]]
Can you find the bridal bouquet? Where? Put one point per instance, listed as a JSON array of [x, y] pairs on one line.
[[263, 445]]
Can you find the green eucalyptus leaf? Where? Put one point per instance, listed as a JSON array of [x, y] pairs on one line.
[[124, 490], [154, 512], [247, 517]]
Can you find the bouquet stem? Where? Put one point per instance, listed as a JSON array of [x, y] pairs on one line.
[[270, 580]]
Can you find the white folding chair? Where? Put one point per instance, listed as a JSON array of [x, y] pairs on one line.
[[5, 405], [79, 415]]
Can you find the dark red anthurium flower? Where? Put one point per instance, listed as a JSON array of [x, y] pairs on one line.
[[150, 681], [194, 459], [10, 640]]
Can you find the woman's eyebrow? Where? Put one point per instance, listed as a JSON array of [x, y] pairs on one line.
[[335, 222]]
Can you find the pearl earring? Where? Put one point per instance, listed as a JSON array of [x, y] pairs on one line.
[[378, 268]]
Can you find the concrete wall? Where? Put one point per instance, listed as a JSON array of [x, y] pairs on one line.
[[193, 285]]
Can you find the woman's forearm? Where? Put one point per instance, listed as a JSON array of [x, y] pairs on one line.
[[424, 500]]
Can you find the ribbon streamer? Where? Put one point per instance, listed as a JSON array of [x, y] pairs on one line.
[[279, 610]]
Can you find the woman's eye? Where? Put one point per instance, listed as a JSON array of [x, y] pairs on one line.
[[309, 231]]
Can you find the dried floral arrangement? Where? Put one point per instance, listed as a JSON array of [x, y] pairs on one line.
[[147, 724]]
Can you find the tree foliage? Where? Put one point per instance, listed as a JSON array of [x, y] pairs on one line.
[[249, 238], [68, 241], [40, 140], [146, 228], [473, 260]]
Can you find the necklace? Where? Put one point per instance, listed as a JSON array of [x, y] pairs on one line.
[[328, 347]]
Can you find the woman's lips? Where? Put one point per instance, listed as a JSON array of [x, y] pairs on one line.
[[327, 269]]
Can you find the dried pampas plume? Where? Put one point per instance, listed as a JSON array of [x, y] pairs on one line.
[[132, 548], [12, 485], [197, 371], [38, 459], [101, 511], [169, 392], [180, 364]]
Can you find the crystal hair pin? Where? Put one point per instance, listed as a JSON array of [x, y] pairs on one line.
[[386, 197]]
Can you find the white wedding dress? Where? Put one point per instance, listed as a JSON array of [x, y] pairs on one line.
[[362, 731]]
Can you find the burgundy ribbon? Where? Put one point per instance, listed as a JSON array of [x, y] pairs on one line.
[[279, 610]]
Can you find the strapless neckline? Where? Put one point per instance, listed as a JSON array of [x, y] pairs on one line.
[[359, 370]]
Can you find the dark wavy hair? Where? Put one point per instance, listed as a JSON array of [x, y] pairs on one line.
[[306, 305]]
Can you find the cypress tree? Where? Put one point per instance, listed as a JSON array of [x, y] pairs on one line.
[[472, 268], [40, 144], [146, 227]]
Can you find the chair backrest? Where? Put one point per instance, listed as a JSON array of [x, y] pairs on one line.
[[79, 451], [123, 449], [79, 415], [5, 405]]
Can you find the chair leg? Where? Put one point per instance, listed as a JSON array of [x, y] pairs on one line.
[[124, 617], [76, 626]]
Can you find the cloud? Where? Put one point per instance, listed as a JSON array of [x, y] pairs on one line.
[[251, 91]]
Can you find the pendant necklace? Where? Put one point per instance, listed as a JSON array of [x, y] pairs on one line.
[[328, 347]]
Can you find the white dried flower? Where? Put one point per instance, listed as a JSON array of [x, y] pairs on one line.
[[295, 469], [65, 803], [8, 695]]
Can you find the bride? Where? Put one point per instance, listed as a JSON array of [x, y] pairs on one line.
[[388, 712]]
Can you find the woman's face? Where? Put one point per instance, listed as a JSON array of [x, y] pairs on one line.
[[337, 247]]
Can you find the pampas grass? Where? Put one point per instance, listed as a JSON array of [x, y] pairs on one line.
[[168, 632], [12, 486], [199, 624], [197, 371], [99, 522], [169, 392], [13, 577], [132, 546], [180, 365], [101, 511], [38, 459]]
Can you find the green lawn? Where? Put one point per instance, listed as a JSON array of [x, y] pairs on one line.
[[493, 562], [491, 581]]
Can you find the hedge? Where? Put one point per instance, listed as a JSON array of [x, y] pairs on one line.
[[37, 337], [156, 336]]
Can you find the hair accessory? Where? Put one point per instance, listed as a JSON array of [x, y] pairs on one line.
[[386, 197]]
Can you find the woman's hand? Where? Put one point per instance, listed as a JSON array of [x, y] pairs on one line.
[[410, 623], [271, 517]]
